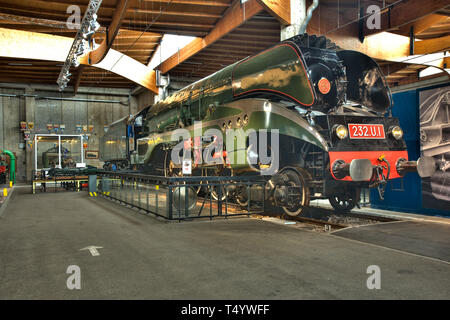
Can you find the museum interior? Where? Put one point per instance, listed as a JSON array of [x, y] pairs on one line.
[[224, 150]]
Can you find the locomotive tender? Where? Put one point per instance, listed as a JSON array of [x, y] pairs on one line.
[[329, 107]]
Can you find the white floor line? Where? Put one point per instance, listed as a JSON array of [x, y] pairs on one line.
[[362, 242], [367, 225], [390, 249]]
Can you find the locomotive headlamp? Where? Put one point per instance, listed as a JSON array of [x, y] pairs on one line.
[[341, 131], [245, 120], [397, 132]]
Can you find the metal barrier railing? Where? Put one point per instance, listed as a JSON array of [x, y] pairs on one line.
[[180, 198]]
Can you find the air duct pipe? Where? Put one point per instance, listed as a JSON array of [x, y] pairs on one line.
[[309, 13], [12, 165]]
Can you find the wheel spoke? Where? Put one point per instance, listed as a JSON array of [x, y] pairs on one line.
[[297, 195], [344, 202]]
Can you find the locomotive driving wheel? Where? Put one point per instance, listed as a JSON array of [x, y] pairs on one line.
[[214, 172], [345, 202], [293, 194], [242, 196]]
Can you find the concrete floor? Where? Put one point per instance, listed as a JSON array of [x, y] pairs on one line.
[[144, 258]]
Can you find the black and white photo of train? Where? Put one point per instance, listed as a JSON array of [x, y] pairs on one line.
[[435, 142]]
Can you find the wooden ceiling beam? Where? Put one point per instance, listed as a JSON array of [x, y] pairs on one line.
[[391, 68], [236, 15], [139, 23], [230, 51], [17, 44], [432, 45], [442, 64], [382, 46], [252, 37], [405, 13], [280, 9], [97, 55], [208, 3], [178, 13], [422, 24], [413, 77], [23, 20], [77, 82], [180, 32], [139, 45]]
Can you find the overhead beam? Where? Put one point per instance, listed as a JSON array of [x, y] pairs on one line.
[[398, 47], [236, 15], [32, 21], [432, 45], [77, 82], [178, 13], [382, 46], [404, 13], [208, 3], [391, 68], [97, 55], [279, 9], [423, 24], [442, 64], [20, 44]]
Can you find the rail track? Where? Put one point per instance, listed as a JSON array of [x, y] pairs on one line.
[[329, 220]]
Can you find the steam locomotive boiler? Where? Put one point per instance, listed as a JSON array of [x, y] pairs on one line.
[[327, 106]]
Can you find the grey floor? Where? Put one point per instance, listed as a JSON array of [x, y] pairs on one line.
[[144, 258], [422, 238]]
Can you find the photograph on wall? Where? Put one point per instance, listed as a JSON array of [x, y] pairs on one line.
[[91, 154], [435, 142]]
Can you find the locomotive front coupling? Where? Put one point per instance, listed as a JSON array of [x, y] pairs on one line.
[[365, 170]]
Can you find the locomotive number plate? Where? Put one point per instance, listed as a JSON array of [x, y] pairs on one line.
[[366, 131]]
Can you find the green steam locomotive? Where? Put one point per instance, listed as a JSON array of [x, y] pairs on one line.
[[308, 114]]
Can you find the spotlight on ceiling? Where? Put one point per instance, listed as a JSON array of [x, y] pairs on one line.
[[87, 35], [89, 26], [95, 26], [75, 62]]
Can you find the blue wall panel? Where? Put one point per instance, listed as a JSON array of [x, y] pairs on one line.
[[404, 194]]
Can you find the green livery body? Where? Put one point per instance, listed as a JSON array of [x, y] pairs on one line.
[[220, 100], [306, 95]]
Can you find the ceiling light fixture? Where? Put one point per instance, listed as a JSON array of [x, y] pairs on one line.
[[80, 45]]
